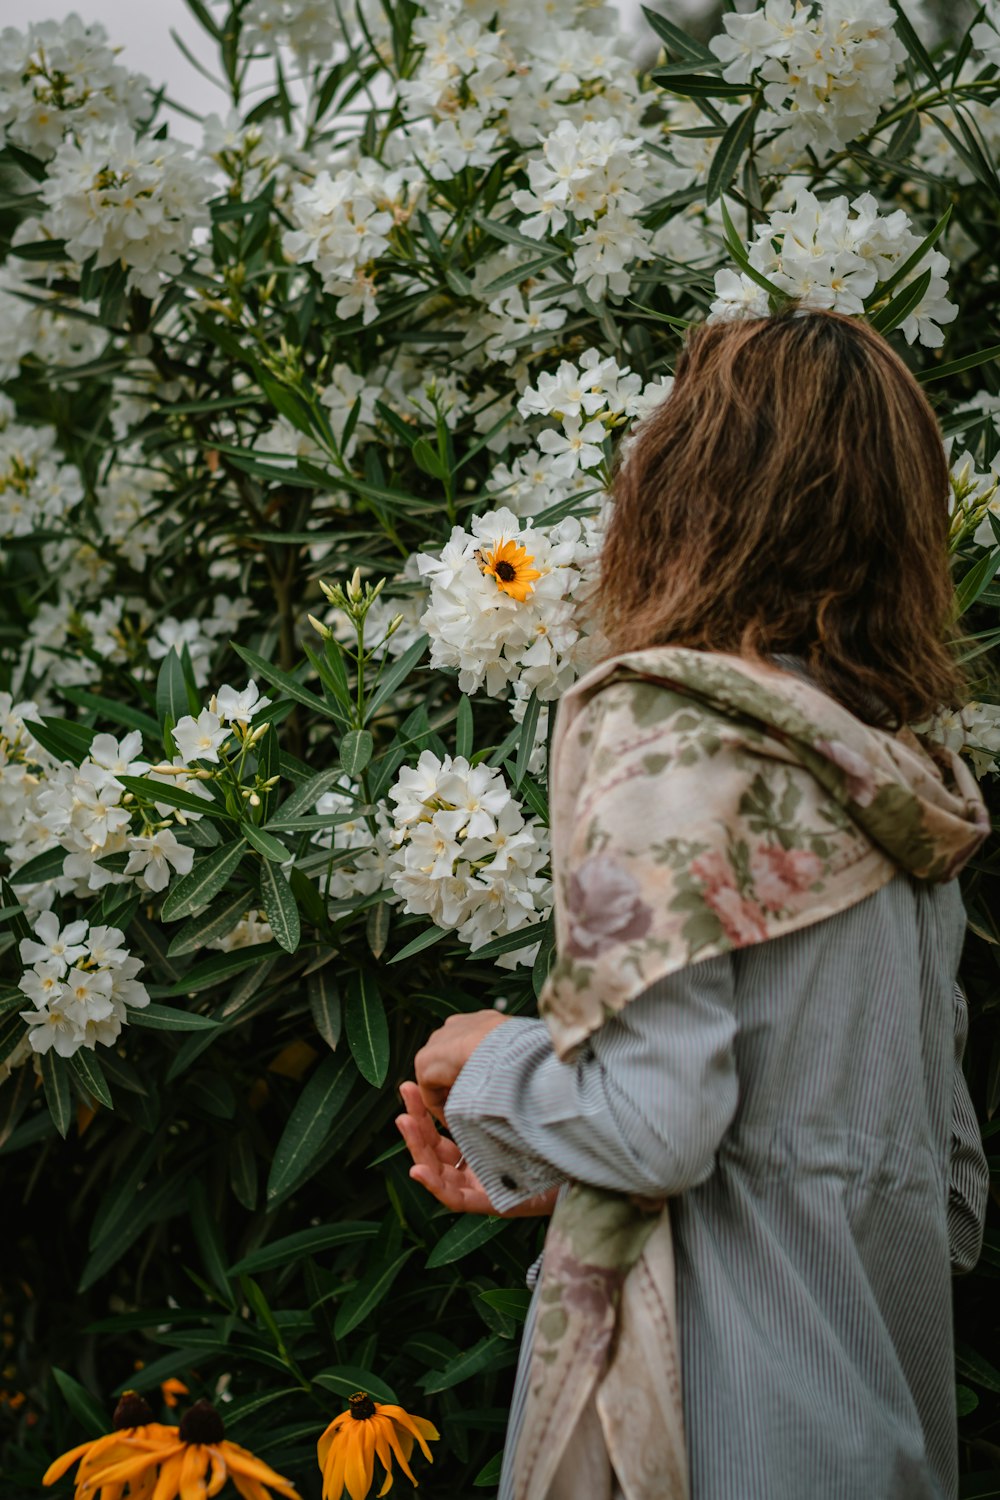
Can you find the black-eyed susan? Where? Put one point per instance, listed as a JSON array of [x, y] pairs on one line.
[[509, 565], [175, 1463], [132, 1423], [365, 1431]]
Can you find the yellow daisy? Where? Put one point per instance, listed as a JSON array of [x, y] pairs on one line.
[[509, 566], [132, 1423], [177, 1463], [366, 1431]]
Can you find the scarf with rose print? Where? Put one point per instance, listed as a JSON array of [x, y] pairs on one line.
[[700, 803]]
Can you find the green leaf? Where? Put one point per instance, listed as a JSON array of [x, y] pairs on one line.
[[492, 1352], [377, 927], [489, 1475], [676, 40], [171, 796], [166, 1018], [288, 684], [123, 715], [471, 1231], [511, 941], [324, 1005], [223, 965], [957, 366], [204, 1222], [463, 728], [219, 919], [729, 152], [47, 866], [900, 307], [88, 1070], [426, 457], [526, 742], [293, 1248], [172, 701], [55, 1083], [196, 889], [911, 262], [12, 1032], [975, 1368], [372, 1289], [344, 1380], [280, 906], [699, 85], [425, 939], [914, 46], [366, 1027], [265, 843], [310, 1122], [396, 676], [243, 1170], [356, 751], [63, 739], [513, 1301], [87, 1410], [978, 578]]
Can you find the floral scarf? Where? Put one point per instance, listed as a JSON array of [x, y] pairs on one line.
[[700, 803]]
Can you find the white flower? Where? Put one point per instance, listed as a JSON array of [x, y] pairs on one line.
[[235, 707], [43, 983], [60, 945], [152, 856], [736, 297], [461, 851], [490, 636], [574, 448], [119, 197], [201, 738]]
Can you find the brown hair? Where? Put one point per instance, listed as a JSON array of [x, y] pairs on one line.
[[789, 496]]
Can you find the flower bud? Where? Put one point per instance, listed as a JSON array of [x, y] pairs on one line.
[[319, 627]]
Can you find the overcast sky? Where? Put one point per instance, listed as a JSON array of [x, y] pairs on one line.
[[142, 28]]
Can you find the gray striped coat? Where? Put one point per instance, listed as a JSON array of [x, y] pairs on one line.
[[803, 1102]]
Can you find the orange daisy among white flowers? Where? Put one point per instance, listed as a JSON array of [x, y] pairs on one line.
[[509, 564], [366, 1431]]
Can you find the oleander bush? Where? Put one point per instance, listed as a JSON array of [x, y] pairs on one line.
[[305, 436]]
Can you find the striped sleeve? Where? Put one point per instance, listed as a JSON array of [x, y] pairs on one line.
[[969, 1185], [642, 1109]]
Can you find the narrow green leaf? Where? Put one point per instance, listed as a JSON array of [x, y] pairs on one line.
[[63, 739], [978, 578], [12, 1032], [171, 690], [293, 1248], [492, 1352], [265, 843], [911, 262], [167, 1018], [311, 1121], [344, 1380], [366, 1027], [957, 366], [489, 1475], [526, 743], [196, 889], [377, 927], [738, 251], [87, 1410], [305, 797], [219, 919], [288, 684], [324, 1005], [224, 965], [426, 939], [205, 1224], [281, 907], [372, 1289], [55, 1083], [900, 307], [729, 152], [171, 796], [47, 866], [523, 937], [88, 1070], [463, 728], [513, 1301], [427, 458], [243, 1170], [396, 675], [471, 1231], [914, 46], [356, 751], [676, 40], [698, 85], [975, 1368], [123, 715]]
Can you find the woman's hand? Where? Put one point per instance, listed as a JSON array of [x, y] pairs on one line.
[[438, 1165], [445, 1053]]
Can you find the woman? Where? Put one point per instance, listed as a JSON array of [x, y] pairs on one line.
[[752, 1036]]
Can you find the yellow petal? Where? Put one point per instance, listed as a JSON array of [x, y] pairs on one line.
[[218, 1466], [360, 1461], [170, 1477], [249, 1488], [242, 1461], [334, 1467], [401, 1446], [419, 1426], [130, 1469], [58, 1467], [193, 1471]]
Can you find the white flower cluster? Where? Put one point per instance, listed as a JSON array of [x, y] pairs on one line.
[[343, 223], [973, 731], [311, 28], [81, 982], [36, 487], [128, 199], [834, 254], [827, 68], [462, 852], [506, 603], [594, 173], [59, 76], [35, 322]]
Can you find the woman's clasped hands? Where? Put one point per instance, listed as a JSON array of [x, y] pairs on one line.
[[438, 1164]]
